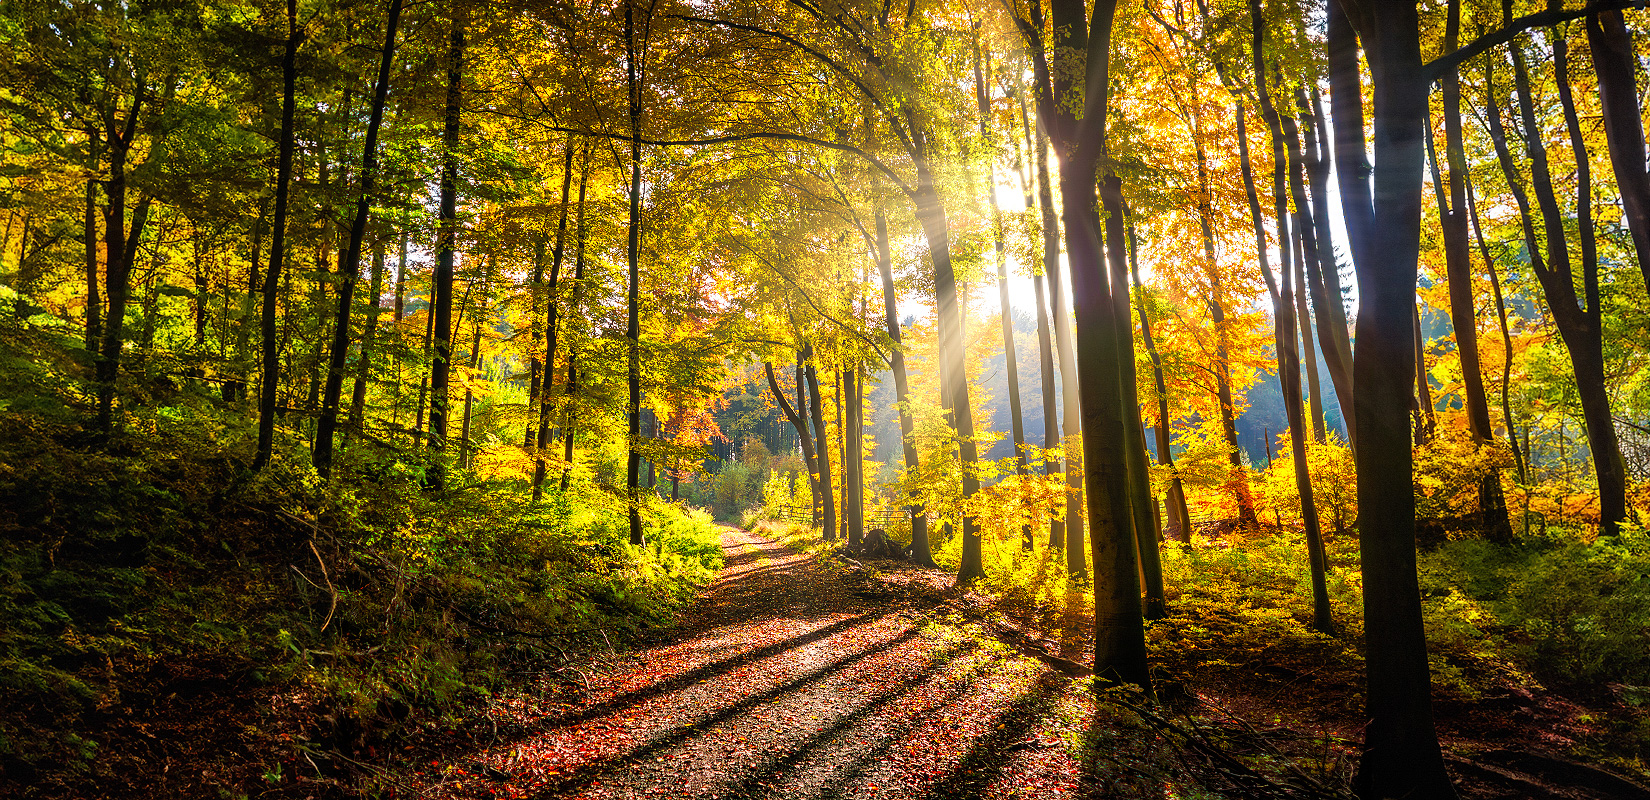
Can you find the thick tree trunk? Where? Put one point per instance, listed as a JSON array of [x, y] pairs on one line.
[[1071, 407], [269, 382], [447, 234], [1614, 61], [349, 269], [1401, 756]]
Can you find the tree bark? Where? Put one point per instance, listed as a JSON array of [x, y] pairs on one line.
[[1614, 61], [1045, 346], [803, 438], [270, 380], [570, 388], [921, 551], [349, 269], [1401, 756], [536, 294], [441, 369], [1142, 504], [547, 382], [822, 453], [1580, 326], [89, 237], [1506, 334], [1005, 309], [1179, 525], [363, 361], [633, 253]]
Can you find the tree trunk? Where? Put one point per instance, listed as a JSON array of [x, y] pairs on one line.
[[89, 236], [633, 331], [570, 388], [363, 361], [349, 269], [1614, 61], [1142, 505], [1323, 276], [1506, 335], [464, 448], [535, 294], [1579, 325], [1179, 525], [1071, 407], [1045, 346], [441, 369], [1006, 310], [270, 380], [1401, 757], [803, 438], [921, 551], [547, 382], [822, 453]]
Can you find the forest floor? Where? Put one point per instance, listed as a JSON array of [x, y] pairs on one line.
[[799, 676]]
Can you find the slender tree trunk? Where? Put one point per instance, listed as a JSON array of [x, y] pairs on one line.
[[89, 237], [1142, 505], [1324, 275], [1614, 61], [1180, 519], [535, 293], [234, 390], [1506, 335], [426, 368], [1237, 480], [1071, 410], [1045, 346], [921, 551], [1579, 325], [464, 448], [447, 234], [550, 328], [1401, 756], [1309, 361], [822, 453], [270, 381], [570, 388], [633, 331], [349, 270], [363, 361], [982, 61], [794, 416]]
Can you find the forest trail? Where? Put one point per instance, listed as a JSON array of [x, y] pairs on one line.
[[782, 681]]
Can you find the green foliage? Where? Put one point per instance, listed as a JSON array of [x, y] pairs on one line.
[[157, 551], [1573, 612]]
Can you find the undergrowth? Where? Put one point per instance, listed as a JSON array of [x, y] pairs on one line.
[[144, 570]]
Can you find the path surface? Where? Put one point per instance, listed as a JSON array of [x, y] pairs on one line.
[[784, 682]]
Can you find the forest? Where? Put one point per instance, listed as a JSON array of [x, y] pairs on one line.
[[825, 398]]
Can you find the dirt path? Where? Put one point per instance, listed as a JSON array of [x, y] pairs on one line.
[[783, 682]]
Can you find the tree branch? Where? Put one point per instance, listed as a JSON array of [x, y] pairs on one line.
[[1436, 68]]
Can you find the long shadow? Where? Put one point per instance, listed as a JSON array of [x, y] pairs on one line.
[[857, 768], [697, 674], [990, 754], [582, 777], [776, 765]]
